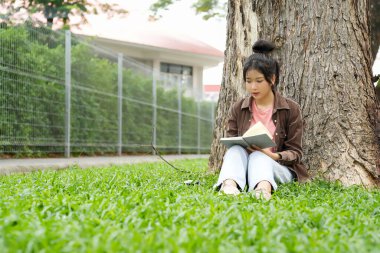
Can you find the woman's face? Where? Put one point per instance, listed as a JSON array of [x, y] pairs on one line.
[[257, 85]]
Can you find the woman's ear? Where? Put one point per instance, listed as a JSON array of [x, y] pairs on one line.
[[273, 79]]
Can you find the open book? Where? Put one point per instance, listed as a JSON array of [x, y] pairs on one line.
[[257, 135]]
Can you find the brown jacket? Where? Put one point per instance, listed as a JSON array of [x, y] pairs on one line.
[[288, 134]]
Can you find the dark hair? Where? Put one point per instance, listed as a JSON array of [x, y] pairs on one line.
[[262, 62]]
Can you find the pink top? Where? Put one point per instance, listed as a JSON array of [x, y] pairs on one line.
[[265, 116]]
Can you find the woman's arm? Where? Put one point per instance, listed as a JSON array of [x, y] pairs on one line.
[[267, 151], [232, 124], [292, 148]]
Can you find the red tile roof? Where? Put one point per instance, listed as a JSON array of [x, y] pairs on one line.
[[148, 34], [171, 41], [211, 88]]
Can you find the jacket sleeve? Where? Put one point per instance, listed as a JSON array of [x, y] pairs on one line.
[[292, 149], [232, 125]]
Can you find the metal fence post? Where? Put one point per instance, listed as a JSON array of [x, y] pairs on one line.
[[199, 126], [67, 92], [120, 101], [154, 105], [212, 116], [179, 117]]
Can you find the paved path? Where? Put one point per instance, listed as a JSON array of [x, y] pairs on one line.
[[8, 166]]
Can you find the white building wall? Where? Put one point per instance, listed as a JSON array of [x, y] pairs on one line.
[[198, 82]]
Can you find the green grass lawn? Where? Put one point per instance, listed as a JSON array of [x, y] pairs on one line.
[[148, 208]]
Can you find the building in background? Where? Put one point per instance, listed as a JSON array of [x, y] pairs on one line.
[[175, 58], [211, 92]]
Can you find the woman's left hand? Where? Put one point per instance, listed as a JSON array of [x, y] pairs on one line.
[[266, 151]]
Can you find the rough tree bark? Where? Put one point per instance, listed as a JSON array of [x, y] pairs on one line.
[[324, 52]]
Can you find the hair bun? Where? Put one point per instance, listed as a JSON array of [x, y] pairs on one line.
[[263, 47]]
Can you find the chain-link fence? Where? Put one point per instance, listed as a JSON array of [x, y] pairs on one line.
[[62, 95]]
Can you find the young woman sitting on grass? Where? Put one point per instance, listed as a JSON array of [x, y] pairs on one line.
[[262, 169]]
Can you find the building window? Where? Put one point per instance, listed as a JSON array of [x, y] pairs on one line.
[[176, 69], [172, 75]]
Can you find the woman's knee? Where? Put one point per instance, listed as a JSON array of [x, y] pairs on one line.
[[236, 149], [257, 155], [260, 160]]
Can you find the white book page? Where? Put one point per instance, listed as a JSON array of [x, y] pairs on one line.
[[257, 129]]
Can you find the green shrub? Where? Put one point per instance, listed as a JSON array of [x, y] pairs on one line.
[[32, 99]]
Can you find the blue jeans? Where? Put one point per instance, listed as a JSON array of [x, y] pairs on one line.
[[252, 168]]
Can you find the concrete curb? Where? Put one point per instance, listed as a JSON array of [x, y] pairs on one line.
[[10, 166]]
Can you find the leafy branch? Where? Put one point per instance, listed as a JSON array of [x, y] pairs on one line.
[[55, 10], [207, 8]]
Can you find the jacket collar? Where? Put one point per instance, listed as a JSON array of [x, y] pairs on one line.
[[279, 102]]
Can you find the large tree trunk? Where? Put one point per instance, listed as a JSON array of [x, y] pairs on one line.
[[241, 34], [325, 57]]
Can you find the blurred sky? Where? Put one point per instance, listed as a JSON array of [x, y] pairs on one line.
[[181, 17]]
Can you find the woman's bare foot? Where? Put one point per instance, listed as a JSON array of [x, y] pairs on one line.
[[263, 190], [229, 186]]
